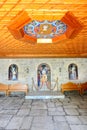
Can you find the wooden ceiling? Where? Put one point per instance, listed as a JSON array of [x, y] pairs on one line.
[[37, 9]]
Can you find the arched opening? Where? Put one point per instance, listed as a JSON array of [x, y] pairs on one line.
[[13, 72], [73, 71], [43, 75]]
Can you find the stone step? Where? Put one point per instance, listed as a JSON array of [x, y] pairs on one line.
[[44, 95]]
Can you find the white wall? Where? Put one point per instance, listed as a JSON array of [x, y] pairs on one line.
[[56, 64]]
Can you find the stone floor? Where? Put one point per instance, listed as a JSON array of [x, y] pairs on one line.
[[18, 113]]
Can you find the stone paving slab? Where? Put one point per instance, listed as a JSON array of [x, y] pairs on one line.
[[59, 118], [42, 123], [83, 111], [26, 106], [73, 120], [37, 121], [36, 112], [23, 112], [71, 111], [26, 124], [43, 128], [8, 112], [78, 127], [83, 106], [83, 119], [4, 120], [56, 111], [58, 103], [61, 126], [50, 104], [70, 106], [15, 123], [39, 105]]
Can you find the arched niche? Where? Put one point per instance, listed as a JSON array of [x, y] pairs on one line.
[[73, 71], [13, 72], [43, 75]]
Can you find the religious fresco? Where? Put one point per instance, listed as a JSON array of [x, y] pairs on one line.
[[44, 75], [73, 71], [45, 28], [13, 72]]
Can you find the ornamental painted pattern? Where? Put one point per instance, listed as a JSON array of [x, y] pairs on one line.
[[45, 28]]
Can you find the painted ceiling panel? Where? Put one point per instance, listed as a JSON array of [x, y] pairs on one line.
[[43, 10]]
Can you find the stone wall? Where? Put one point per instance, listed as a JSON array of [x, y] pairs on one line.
[[59, 68]]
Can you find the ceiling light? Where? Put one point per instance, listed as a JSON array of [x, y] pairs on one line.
[[42, 40]]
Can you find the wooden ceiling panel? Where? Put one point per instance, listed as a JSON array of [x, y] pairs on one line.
[[41, 10]]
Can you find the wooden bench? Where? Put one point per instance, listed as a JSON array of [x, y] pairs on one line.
[[4, 88], [83, 87], [18, 88], [70, 87]]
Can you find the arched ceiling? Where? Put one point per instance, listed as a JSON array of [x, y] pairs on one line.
[[41, 10]]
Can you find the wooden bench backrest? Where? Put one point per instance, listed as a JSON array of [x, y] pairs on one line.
[[3, 86], [84, 85], [69, 84], [18, 87]]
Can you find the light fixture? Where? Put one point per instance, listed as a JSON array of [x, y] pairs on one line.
[[43, 40]]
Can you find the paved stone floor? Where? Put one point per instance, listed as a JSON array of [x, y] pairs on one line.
[[18, 113]]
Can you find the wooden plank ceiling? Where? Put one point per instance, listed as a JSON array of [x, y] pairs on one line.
[[41, 9]]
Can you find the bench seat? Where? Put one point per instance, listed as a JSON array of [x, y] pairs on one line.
[[4, 88], [83, 87], [18, 88], [70, 87]]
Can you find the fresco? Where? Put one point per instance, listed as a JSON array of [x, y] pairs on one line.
[[43, 75], [45, 28], [13, 72], [73, 71]]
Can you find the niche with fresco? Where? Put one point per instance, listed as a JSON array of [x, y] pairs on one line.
[[43, 75], [13, 72], [73, 71]]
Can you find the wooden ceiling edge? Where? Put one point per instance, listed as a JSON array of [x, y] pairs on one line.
[[43, 56]]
